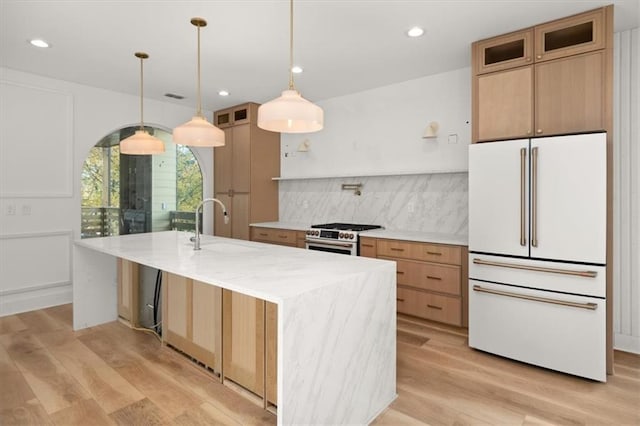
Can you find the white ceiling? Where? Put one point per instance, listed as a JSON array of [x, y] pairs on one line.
[[345, 46]]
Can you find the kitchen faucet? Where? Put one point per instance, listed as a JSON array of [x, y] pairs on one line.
[[196, 240]]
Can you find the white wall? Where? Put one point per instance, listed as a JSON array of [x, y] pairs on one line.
[[47, 128], [379, 131], [626, 220]]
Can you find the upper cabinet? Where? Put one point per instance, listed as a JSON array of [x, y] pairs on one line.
[[243, 171], [571, 36], [504, 52], [554, 78]]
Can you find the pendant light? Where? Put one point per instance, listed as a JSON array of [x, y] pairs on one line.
[[198, 131], [141, 143], [290, 113]]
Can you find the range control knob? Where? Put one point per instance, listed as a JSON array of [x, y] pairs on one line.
[[351, 236], [341, 235]]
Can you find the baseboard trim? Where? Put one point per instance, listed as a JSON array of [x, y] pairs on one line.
[[42, 296], [626, 343]]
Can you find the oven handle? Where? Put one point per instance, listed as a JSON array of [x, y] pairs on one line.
[[329, 243], [590, 306], [587, 274]]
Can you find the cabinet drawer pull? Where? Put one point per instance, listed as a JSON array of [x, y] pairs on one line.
[[590, 306], [434, 253], [435, 307], [400, 272], [263, 235], [396, 249], [367, 245], [399, 300], [431, 277], [587, 274], [282, 236]]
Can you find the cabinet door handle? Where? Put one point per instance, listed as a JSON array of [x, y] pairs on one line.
[[523, 166], [534, 197], [590, 306], [434, 253], [399, 300], [435, 307], [539, 57], [431, 277], [396, 249], [539, 131], [400, 272]]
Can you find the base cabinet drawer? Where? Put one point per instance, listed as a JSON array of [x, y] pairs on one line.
[[446, 309], [420, 251], [285, 237], [429, 276], [559, 331]]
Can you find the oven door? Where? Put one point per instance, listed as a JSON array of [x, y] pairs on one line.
[[340, 247]]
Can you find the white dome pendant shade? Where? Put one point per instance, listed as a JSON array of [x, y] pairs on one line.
[[290, 113], [141, 142], [198, 131]]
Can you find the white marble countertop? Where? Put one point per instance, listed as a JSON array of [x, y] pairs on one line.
[[296, 226], [266, 271], [423, 237]]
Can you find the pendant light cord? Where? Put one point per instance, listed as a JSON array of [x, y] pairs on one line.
[[291, 86], [141, 56], [199, 111]]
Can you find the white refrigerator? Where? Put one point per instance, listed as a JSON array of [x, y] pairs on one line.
[[537, 251]]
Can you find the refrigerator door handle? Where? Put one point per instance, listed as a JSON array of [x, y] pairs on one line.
[[590, 306], [534, 196], [523, 162], [586, 274]]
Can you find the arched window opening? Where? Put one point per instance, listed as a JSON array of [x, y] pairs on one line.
[[128, 194]]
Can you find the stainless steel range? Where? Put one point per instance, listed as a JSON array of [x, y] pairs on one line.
[[339, 238]]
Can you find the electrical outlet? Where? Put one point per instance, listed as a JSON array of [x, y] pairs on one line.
[[411, 207], [453, 138], [305, 204], [26, 210], [11, 209]]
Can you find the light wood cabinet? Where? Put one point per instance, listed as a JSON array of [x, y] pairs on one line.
[[128, 285], [243, 172], [279, 236], [271, 349], [431, 278], [244, 341], [192, 318], [572, 35], [504, 52], [570, 94], [504, 104], [554, 78], [368, 247]]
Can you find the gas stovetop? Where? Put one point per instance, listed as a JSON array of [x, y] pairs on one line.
[[339, 231], [346, 227]]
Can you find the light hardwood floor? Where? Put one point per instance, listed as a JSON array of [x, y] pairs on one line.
[[113, 375]]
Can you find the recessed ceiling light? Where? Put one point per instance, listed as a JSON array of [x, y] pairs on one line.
[[415, 32], [38, 42], [223, 93], [296, 69]]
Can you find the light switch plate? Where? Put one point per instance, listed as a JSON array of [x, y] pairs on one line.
[[453, 138]]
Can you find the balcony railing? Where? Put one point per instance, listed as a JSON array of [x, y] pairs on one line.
[[184, 221], [100, 222], [105, 221]]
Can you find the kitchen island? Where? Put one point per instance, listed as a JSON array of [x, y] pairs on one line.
[[336, 314]]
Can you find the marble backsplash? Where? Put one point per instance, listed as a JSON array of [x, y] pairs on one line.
[[421, 202]]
